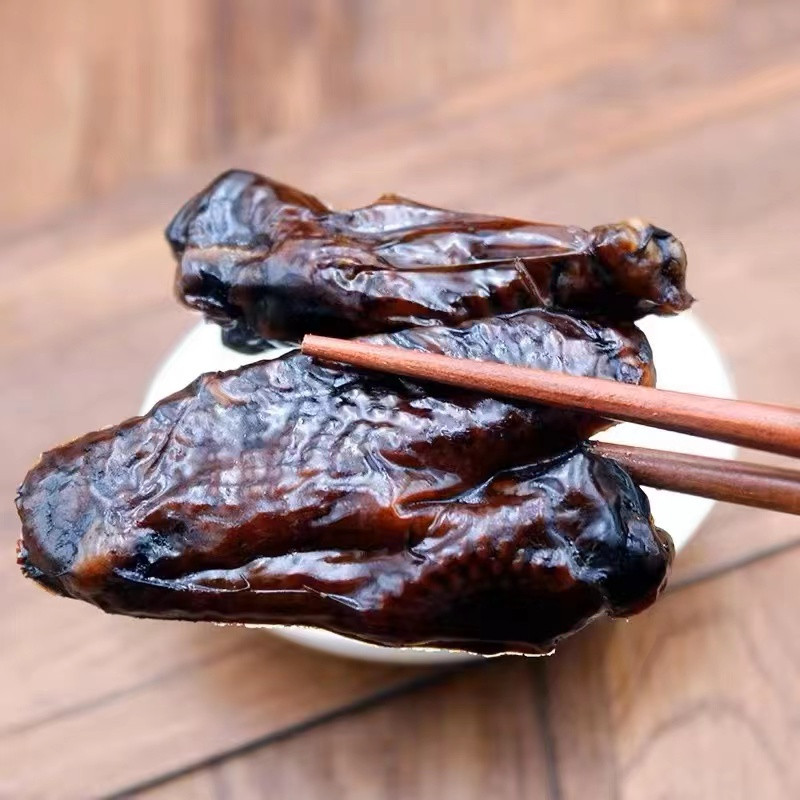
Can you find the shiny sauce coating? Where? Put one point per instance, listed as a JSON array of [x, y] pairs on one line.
[[269, 262], [292, 492]]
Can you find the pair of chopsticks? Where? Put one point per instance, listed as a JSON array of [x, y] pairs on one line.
[[761, 426]]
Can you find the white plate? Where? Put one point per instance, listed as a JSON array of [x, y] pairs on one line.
[[686, 360]]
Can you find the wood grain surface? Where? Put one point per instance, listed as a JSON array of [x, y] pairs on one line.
[[98, 93], [698, 699], [693, 125], [476, 735]]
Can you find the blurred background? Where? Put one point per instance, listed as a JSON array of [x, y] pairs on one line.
[[583, 111], [100, 94]]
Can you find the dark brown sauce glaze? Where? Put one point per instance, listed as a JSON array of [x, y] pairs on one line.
[[290, 492], [267, 261]]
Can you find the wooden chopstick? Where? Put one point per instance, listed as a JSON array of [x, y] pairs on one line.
[[758, 425], [764, 427], [739, 482]]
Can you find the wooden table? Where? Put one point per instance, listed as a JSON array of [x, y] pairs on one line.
[[697, 698]]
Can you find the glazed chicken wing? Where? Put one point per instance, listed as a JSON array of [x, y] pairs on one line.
[[291, 492], [266, 261]]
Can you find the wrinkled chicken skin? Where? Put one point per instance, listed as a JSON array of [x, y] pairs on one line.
[[511, 566], [266, 262], [291, 492]]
